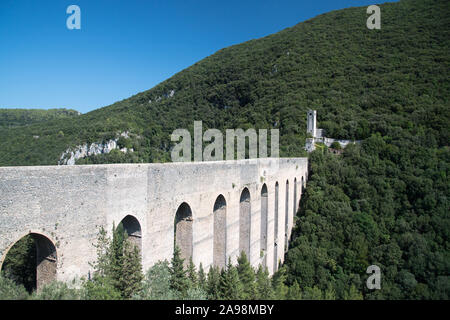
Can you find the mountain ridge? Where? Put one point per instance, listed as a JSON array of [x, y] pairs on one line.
[[357, 79], [14, 117]]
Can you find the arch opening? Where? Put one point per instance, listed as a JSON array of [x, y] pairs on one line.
[[220, 232], [132, 227], [244, 222], [31, 261], [295, 198], [275, 231], [264, 222], [286, 218], [302, 190], [183, 231]]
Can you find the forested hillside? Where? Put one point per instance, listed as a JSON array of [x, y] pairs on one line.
[[20, 117], [383, 202], [360, 81]]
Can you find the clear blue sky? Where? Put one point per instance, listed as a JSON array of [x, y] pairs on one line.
[[125, 47]]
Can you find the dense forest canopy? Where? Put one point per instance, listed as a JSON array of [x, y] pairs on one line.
[[21, 117], [383, 202]]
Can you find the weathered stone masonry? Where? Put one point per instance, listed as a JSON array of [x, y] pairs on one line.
[[218, 203]]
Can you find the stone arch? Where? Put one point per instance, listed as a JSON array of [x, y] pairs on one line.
[[275, 230], [302, 189], [220, 232], [133, 229], [245, 222], [295, 198], [286, 217], [264, 221], [44, 264], [183, 234]]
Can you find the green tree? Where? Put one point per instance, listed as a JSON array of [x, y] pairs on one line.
[[294, 292], [247, 277], [230, 286], [278, 284], [330, 293], [131, 280], [201, 277], [353, 294], [192, 274], [213, 283], [118, 266], [196, 294], [57, 291], [101, 288], [264, 290], [115, 268], [313, 293], [156, 283], [336, 145], [10, 290], [178, 278], [103, 248]]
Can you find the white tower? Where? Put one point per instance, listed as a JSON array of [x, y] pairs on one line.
[[311, 123]]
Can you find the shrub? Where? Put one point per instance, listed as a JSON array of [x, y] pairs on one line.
[[57, 290], [156, 284], [9, 290]]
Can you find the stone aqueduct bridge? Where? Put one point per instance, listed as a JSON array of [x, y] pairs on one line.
[[214, 210]]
